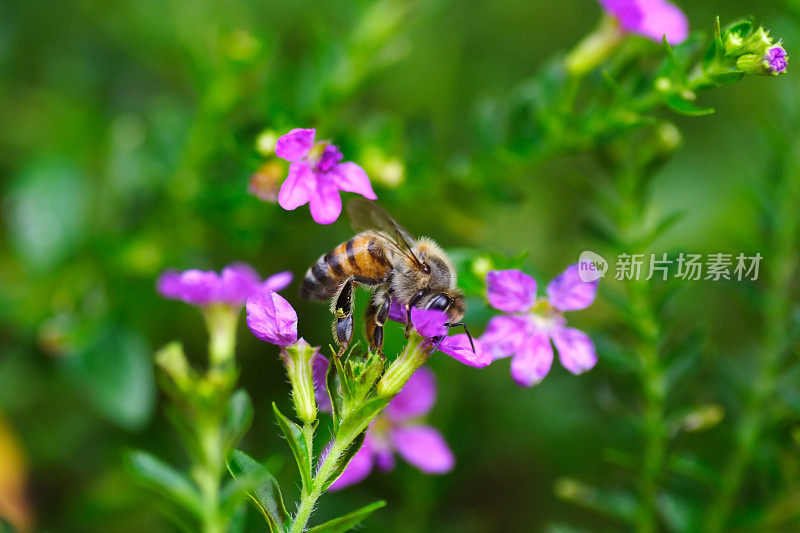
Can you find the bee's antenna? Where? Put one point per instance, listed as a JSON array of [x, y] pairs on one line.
[[464, 325]]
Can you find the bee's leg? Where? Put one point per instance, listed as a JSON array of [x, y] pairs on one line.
[[411, 303], [376, 316], [343, 311]]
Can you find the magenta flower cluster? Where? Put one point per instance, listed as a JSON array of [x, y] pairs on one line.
[[232, 286], [653, 19], [316, 175], [529, 326]]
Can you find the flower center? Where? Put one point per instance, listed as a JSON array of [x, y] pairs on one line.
[[323, 156], [545, 316]]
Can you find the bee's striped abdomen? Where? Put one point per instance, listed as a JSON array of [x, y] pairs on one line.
[[363, 257]]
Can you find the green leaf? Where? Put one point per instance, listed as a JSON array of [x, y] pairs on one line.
[[344, 459], [332, 387], [297, 442], [357, 421], [161, 477], [114, 369], [239, 418], [348, 521], [673, 68], [685, 107], [262, 487]]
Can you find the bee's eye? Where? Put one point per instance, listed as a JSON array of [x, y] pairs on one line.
[[426, 268], [440, 302]]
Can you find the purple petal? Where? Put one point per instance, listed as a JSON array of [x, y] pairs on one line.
[[198, 286], [384, 458], [295, 145], [505, 334], [423, 447], [575, 349], [350, 177], [511, 291], [533, 360], [459, 348], [568, 292], [329, 158], [271, 318], [298, 188], [397, 311], [663, 18], [776, 59], [237, 283], [650, 18], [169, 284], [416, 397], [429, 322], [278, 282], [357, 469], [320, 373], [325, 203]]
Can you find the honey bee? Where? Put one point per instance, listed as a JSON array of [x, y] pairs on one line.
[[387, 260]]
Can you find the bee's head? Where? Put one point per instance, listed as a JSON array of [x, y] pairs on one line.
[[451, 302]]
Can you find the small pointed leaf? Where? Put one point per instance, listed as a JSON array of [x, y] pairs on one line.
[[348, 521], [164, 479], [262, 488], [297, 443]]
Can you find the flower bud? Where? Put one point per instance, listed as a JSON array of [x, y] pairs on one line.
[[772, 62], [299, 361], [172, 361]]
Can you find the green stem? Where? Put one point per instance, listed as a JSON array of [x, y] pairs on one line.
[[777, 310], [208, 475], [402, 368], [651, 376]]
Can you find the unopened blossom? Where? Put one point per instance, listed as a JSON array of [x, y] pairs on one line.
[[316, 175], [398, 430], [653, 19], [776, 59], [271, 318], [531, 323], [232, 286]]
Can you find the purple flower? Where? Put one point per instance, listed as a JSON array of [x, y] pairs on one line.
[[430, 323], [649, 18], [232, 286], [397, 429], [316, 175], [776, 59], [526, 333], [271, 318]]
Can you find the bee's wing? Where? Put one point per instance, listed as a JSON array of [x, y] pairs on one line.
[[368, 215]]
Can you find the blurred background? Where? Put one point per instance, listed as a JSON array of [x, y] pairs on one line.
[[130, 135]]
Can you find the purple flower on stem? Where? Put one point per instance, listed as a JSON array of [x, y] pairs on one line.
[[430, 323], [653, 19], [316, 175], [232, 286], [397, 429], [271, 318], [531, 324], [776, 59]]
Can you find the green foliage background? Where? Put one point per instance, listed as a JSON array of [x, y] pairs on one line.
[[127, 143]]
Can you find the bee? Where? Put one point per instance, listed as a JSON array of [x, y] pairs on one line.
[[384, 258]]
